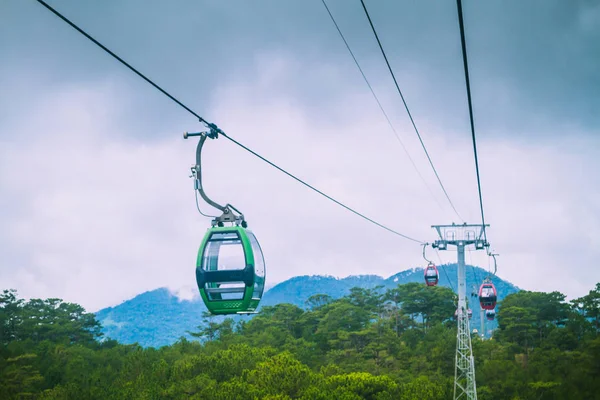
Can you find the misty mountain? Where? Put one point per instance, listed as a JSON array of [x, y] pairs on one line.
[[158, 317]]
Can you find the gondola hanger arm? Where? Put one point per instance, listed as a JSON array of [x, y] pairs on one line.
[[495, 263], [227, 210], [424, 246]]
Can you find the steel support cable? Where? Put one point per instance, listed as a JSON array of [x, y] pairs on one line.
[[408, 111], [320, 192], [381, 106], [466, 68], [59, 15], [444, 269], [214, 126], [475, 273], [198, 207]]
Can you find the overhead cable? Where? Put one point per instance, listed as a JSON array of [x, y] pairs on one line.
[[380, 106], [407, 110], [466, 68], [444, 269], [213, 126]]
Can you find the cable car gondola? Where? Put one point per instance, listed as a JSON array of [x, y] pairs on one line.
[[490, 314], [230, 267], [431, 275], [487, 295], [230, 270]]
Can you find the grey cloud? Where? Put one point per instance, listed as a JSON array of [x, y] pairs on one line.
[[131, 225], [276, 76], [527, 59]]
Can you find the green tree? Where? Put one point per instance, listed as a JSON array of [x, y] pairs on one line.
[[318, 300], [57, 321], [11, 316], [537, 311], [589, 305], [20, 378], [422, 304], [281, 375]]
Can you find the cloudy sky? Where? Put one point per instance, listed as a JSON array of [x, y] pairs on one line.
[[96, 203]]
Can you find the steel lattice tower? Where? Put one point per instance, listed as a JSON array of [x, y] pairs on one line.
[[462, 236]]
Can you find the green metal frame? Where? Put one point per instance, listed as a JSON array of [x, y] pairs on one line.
[[247, 303]]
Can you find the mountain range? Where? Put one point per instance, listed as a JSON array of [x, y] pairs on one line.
[[159, 317]]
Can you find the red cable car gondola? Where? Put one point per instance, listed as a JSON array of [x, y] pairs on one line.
[[487, 295], [431, 275], [490, 314]]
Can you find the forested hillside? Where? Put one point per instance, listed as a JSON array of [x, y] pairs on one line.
[[371, 344], [158, 317]]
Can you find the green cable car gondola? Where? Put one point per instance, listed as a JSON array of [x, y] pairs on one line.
[[230, 267], [230, 270]]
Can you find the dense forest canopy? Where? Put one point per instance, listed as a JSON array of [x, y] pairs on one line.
[[376, 344]]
